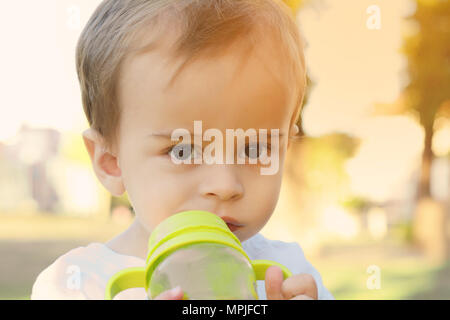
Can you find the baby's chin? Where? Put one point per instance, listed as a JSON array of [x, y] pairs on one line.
[[243, 235]]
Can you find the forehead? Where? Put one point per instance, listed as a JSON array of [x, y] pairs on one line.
[[238, 89]]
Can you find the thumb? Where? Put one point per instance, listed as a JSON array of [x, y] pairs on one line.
[[273, 282]]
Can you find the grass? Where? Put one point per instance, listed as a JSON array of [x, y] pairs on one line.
[[53, 227], [403, 272], [28, 244], [24, 260], [398, 280]]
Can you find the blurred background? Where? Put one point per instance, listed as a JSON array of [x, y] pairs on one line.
[[366, 191]]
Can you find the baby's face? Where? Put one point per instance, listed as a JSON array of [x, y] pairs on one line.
[[222, 94]]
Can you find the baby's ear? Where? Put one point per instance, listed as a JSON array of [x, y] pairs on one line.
[[104, 162]]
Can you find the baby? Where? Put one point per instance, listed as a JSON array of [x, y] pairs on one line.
[[150, 67]]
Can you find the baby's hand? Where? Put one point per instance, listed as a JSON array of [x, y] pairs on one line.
[[297, 287], [172, 294]]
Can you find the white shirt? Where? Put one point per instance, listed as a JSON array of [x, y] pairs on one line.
[[83, 272]]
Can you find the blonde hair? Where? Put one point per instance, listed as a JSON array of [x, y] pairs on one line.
[[206, 27]]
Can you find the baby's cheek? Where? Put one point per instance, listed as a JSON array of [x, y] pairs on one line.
[[268, 197], [149, 207]]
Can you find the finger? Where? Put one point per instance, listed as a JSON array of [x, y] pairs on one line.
[[273, 281], [301, 297], [299, 284], [173, 294]]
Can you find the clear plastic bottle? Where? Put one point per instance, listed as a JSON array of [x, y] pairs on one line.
[[196, 250], [205, 271]]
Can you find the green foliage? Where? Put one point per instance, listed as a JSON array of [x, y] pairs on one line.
[[356, 203], [323, 163], [123, 200], [403, 231], [428, 54], [294, 4]]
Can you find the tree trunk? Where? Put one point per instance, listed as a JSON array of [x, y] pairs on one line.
[[427, 159], [430, 217]]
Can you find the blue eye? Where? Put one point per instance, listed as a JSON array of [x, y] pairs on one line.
[[183, 151], [255, 151]]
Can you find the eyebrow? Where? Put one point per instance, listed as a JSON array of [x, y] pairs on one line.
[[168, 135]]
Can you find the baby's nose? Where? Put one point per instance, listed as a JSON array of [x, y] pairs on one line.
[[222, 182]]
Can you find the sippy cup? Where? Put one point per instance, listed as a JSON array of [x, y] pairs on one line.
[[196, 250]]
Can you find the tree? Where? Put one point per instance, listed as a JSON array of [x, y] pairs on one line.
[[428, 68], [428, 94]]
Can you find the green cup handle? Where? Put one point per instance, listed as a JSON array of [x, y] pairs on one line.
[[125, 279], [260, 267]]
